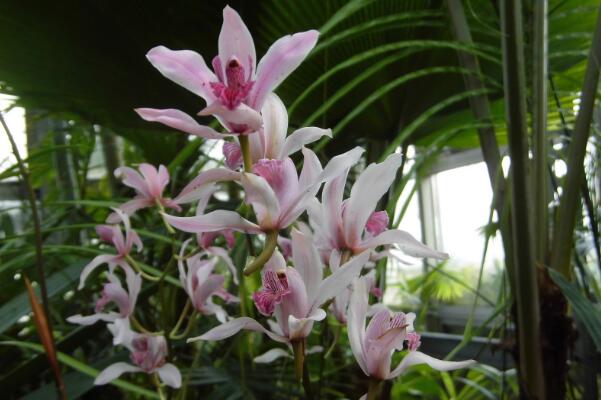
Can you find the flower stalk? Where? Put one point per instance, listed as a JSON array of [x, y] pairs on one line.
[[271, 242], [373, 389], [246, 157]]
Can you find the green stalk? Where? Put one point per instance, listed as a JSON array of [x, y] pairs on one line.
[[298, 348], [373, 390], [539, 128], [271, 242], [245, 149], [525, 284], [570, 200]]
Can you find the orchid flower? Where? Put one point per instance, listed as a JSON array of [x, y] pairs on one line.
[[293, 295], [123, 245], [147, 354], [113, 292], [271, 142], [353, 225], [386, 332], [234, 93], [201, 284], [149, 184], [278, 195]]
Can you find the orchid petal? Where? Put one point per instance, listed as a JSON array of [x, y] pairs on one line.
[[92, 319], [340, 163], [283, 57], [151, 177], [272, 355], [92, 265], [178, 120], [263, 199], [114, 371], [331, 196], [300, 328], [311, 168], [234, 326], [407, 243], [357, 311], [370, 186], [195, 189], [235, 41], [233, 155], [241, 115], [275, 125], [223, 254], [132, 178], [302, 137], [211, 222], [170, 375], [417, 357], [307, 262], [339, 280], [129, 208], [184, 67]]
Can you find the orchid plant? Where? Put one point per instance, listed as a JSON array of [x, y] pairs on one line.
[[307, 270]]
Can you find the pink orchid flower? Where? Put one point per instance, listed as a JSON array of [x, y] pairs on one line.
[[271, 142], [293, 295], [113, 292], [234, 93], [277, 194], [353, 225], [201, 284], [123, 245], [149, 184], [386, 332], [147, 354]]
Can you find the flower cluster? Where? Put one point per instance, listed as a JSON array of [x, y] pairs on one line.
[[307, 269]]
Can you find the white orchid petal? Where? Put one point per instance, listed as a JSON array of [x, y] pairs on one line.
[[339, 280], [262, 197], [275, 126], [405, 242], [272, 355], [283, 57], [356, 315], [211, 222], [196, 189], [417, 357], [178, 120], [301, 137], [114, 371], [307, 262], [234, 326], [170, 375], [235, 41], [370, 186]]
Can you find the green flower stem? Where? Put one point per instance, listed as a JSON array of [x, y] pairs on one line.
[[134, 321], [135, 266], [180, 320], [298, 348], [159, 386], [271, 241], [162, 212], [245, 149], [186, 332], [374, 389]]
